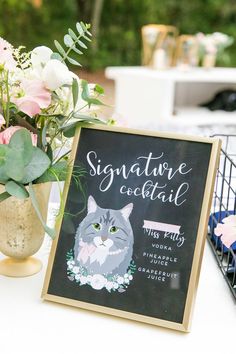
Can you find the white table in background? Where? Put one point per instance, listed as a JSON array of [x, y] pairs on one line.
[[145, 97]]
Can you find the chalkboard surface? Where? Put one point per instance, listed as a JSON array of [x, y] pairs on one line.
[[139, 239]]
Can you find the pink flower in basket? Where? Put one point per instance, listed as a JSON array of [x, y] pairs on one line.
[[6, 135], [227, 231], [36, 97]]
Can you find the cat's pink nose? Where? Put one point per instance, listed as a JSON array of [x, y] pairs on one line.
[[104, 238]]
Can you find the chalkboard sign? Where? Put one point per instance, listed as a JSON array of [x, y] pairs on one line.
[[131, 238]]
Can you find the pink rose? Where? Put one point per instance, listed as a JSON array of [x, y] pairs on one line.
[[6, 135]]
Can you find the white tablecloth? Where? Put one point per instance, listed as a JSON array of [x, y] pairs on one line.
[[30, 326]]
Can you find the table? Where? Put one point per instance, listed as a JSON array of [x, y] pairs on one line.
[[145, 97], [30, 326]]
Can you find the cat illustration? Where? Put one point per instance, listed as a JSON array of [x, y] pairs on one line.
[[104, 240]]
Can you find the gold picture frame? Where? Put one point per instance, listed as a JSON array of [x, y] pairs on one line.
[[200, 238]]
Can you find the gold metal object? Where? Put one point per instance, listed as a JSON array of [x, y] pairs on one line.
[[21, 232], [159, 43]]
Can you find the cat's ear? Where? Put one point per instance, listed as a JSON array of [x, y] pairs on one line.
[[126, 211], [92, 205]]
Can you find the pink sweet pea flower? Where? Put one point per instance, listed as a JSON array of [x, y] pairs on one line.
[[6, 57], [6, 135], [227, 231], [36, 96], [2, 120]]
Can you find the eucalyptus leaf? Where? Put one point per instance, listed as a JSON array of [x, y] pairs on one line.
[[82, 44], [68, 40], [36, 167], [56, 172], [76, 50], [14, 166], [16, 190], [21, 142], [73, 61], [72, 34], [47, 229], [59, 48], [3, 152], [79, 28], [56, 56]]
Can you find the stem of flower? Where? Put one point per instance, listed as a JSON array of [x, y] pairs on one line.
[[7, 118]]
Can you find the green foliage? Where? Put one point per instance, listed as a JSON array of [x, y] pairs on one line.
[[73, 41], [20, 160], [119, 38]]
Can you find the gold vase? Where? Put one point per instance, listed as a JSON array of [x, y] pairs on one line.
[[21, 232]]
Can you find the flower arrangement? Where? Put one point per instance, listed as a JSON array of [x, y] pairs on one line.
[[41, 104], [214, 43], [115, 282]]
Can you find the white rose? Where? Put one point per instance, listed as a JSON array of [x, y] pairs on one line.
[[98, 281], [76, 270], [109, 285], [56, 74], [40, 56], [120, 280]]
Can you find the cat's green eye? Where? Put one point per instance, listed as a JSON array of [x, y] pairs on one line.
[[97, 226], [113, 229]]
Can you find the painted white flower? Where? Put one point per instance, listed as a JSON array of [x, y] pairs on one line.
[[109, 285], [75, 270], [126, 275], [56, 74], [70, 262], [83, 280], [130, 277], [40, 56], [126, 280], [120, 280], [89, 278], [98, 281], [77, 277], [115, 285], [70, 266]]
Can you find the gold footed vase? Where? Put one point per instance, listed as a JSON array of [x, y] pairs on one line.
[[21, 232]]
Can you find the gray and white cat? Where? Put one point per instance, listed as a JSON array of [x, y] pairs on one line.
[[104, 240]]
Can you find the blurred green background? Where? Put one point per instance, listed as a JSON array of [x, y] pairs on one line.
[[116, 24]]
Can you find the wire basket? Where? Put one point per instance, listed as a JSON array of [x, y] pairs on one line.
[[223, 205]]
